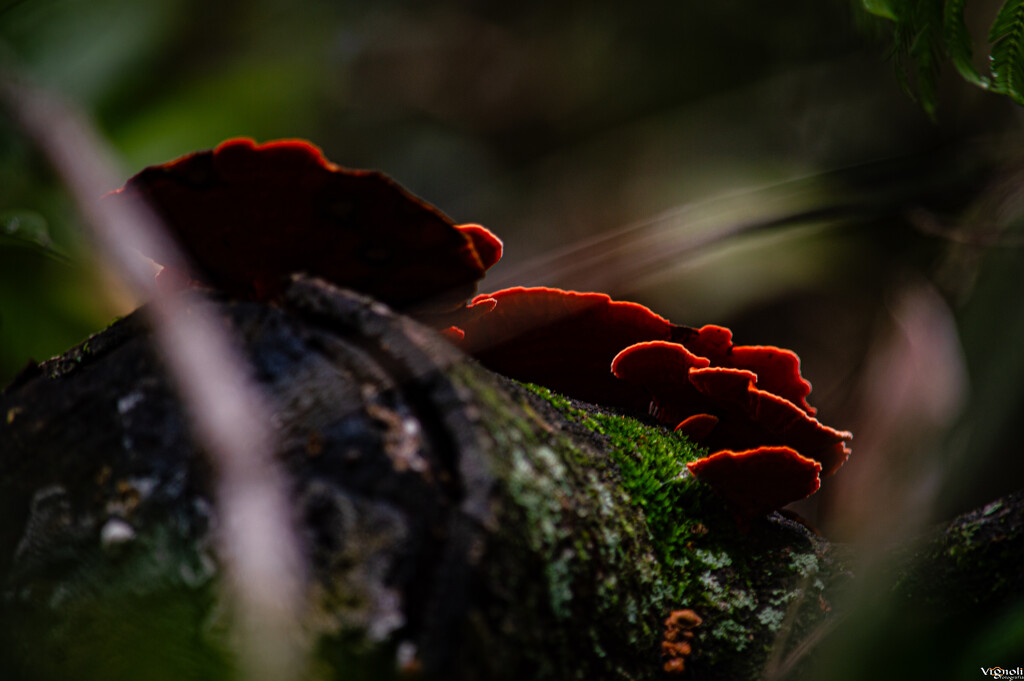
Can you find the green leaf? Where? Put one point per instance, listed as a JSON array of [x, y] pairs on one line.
[[958, 43], [918, 50], [1007, 36], [1007, 21], [881, 8], [28, 230], [926, 51], [927, 32]]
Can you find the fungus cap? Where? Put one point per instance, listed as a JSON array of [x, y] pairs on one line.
[[249, 215], [489, 247], [752, 416], [777, 369], [662, 368], [756, 481], [675, 644], [723, 407], [564, 340]]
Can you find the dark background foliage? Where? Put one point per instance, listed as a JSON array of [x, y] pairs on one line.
[[749, 164]]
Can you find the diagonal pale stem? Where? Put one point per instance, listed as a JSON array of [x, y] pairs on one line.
[[264, 567]]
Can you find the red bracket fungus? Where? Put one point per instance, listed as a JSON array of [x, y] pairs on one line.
[[769, 450], [778, 370], [662, 368], [488, 246], [769, 418], [249, 215], [563, 340], [756, 481], [748, 404], [722, 408]]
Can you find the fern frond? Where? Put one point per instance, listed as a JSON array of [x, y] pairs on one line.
[[1007, 38], [958, 43], [1007, 20], [918, 49], [881, 8]]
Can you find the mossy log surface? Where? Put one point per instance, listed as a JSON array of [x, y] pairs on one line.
[[456, 524]]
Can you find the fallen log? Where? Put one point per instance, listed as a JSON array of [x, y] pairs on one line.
[[456, 524]]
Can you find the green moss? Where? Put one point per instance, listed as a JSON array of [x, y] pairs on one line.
[[959, 544], [651, 462], [711, 565], [979, 538], [583, 536]]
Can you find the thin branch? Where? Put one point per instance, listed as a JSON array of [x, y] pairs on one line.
[[264, 568]]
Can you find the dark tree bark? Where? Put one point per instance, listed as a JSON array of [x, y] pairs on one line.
[[457, 525]]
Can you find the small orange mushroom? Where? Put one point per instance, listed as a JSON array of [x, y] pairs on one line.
[[681, 622], [675, 644]]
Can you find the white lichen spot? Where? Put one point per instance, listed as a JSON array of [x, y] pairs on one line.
[[387, 617], [116, 532], [129, 402], [534, 484], [559, 575], [710, 582], [804, 564], [144, 486], [715, 561], [771, 618], [549, 458], [780, 597], [124, 407], [742, 599], [732, 631], [611, 540], [406, 656], [608, 505], [631, 612]]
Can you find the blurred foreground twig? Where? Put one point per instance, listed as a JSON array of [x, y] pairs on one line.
[[228, 416]]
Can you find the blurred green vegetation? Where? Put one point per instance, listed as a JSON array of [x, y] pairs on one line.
[[928, 33], [599, 140]]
